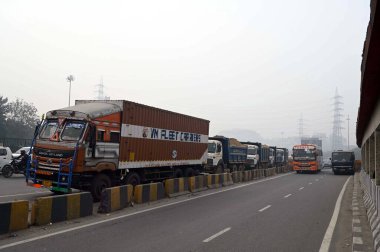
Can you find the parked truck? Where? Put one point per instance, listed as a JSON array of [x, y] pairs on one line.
[[262, 156], [98, 144], [225, 154], [282, 156], [343, 161]]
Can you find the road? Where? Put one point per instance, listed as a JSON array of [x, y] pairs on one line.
[[289, 212]]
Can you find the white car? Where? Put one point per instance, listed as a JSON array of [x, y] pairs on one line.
[[18, 152], [5, 156]]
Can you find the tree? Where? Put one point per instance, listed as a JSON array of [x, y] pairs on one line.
[[21, 119], [3, 113]]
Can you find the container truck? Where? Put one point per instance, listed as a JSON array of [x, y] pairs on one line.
[[225, 154], [97, 144]]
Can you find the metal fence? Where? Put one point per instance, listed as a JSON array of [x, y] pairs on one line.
[[15, 143]]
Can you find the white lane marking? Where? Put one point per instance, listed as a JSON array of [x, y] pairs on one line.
[[355, 208], [330, 229], [357, 240], [286, 196], [136, 213], [265, 208], [301, 188], [310, 183], [357, 229], [355, 220], [217, 234], [22, 194], [316, 179]]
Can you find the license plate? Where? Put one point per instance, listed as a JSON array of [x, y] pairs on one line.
[[46, 183]]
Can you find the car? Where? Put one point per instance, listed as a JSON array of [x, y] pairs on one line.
[[326, 163], [5, 156], [18, 152]]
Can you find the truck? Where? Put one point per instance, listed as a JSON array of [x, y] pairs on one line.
[[262, 157], [272, 156], [98, 144], [225, 154], [343, 161], [281, 156], [307, 158]]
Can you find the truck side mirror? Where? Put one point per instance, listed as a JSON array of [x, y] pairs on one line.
[[219, 148], [330, 158]]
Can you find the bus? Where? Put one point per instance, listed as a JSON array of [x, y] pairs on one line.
[[307, 158]]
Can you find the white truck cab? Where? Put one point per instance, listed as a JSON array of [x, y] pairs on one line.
[[5, 156], [215, 154], [252, 155]]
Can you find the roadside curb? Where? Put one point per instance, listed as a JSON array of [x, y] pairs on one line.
[[365, 221]]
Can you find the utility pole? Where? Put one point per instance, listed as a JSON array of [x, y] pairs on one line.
[[348, 132], [70, 78]]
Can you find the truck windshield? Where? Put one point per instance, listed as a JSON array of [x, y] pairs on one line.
[[252, 151], [73, 130], [211, 147], [49, 129], [342, 157], [303, 154]]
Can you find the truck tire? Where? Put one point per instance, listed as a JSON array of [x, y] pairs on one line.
[[189, 172], [99, 183], [133, 178], [7, 171], [219, 169], [178, 173]]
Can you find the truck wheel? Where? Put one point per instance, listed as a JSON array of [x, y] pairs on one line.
[[178, 173], [7, 171], [189, 172], [99, 183], [133, 178], [219, 169]]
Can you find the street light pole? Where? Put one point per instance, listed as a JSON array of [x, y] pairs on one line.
[[70, 78], [348, 132]]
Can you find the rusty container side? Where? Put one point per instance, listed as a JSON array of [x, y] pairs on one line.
[[137, 147]]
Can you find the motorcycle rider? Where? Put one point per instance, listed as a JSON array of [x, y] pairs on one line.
[[23, 161]]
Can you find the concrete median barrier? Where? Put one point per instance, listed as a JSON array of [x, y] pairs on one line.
[[247, 176], [115, 198], [198, 183], [13, 216], [54, 209], [213, 181], [226, 179], [176, 187], [148, 192], [237, 176]]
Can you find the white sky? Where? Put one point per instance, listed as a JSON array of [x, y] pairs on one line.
[[252, 64]]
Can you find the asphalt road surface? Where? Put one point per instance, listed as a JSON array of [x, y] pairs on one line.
[[289, 212]]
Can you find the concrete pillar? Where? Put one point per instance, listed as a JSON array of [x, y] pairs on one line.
[[372, 156], [363, 157], [377, 157]]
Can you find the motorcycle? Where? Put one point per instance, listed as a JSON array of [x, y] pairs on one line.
[[14, 167]]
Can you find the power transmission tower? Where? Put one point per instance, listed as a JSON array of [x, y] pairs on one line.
[[100, 90], [337, 140]]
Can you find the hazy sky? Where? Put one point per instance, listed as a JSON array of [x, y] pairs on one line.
[[252, 64]]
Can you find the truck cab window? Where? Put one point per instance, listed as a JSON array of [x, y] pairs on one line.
[[73, 131], [100, 136], [114, 137], [49, 129]]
